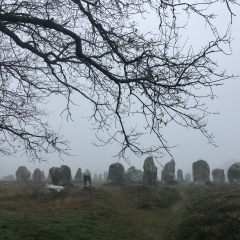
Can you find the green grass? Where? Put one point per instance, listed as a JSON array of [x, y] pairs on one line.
[[103, 212], [213, 213]]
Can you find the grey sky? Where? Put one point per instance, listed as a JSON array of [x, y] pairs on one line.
[[192, 145]]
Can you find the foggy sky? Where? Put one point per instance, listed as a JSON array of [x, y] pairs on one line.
[[192, 145]]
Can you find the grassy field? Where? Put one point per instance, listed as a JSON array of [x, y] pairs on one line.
[[124, 212]]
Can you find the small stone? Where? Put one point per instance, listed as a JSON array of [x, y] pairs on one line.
[[133, 175], [50, 188]]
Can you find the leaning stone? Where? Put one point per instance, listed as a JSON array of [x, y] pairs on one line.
[[50, 188], [201, 172], [150, 171], [218, 176], [188, 177], [22, 174], [116, 173], [234, 173], [78, 176], [168, 172], [37, 175], [133, 175], [179, 175]]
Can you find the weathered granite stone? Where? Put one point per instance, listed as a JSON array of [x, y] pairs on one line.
[[37, 175], [95, 178], [116, 173], [87, 172], [234, 173], [78, 176], [168, 172], [100, 177], [218, 175], [50, 188], [22, 174], [55, 175], [201, 172], [42, 175], [150, 171], [134, 175], [8, 178], [65, 175], [86, 181], [105, 174], [179, 175], [188, 177]]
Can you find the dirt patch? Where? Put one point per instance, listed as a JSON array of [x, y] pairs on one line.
[[181, 203]]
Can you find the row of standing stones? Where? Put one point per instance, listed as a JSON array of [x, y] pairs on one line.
[[116, 174]]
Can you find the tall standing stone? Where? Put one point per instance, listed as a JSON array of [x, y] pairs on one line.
[[42, 175], [22, 174], [234, 173], [201, 172], [179, 175], [87, 172], [150, 171], [54, 173], [188, 177], [168, 172], [116, 173], [95, 178], [100, 177], [78, 176], [105, 174], [37, 175], [65, 175], [218, 176], [87, 181]]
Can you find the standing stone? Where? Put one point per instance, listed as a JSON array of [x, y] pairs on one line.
[[150, 171], [95, 178], [37, 175], [100, 177], [116, 173], [134, 175], [86, 181], [42, 175], [188, 177], [234, 173], [168, 172], [87, 172], [201, 172], [54, 173], [218, 176], [65, 175], [179, 175], [8, 178], [78, 176], [22, 174], [105, 174]]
